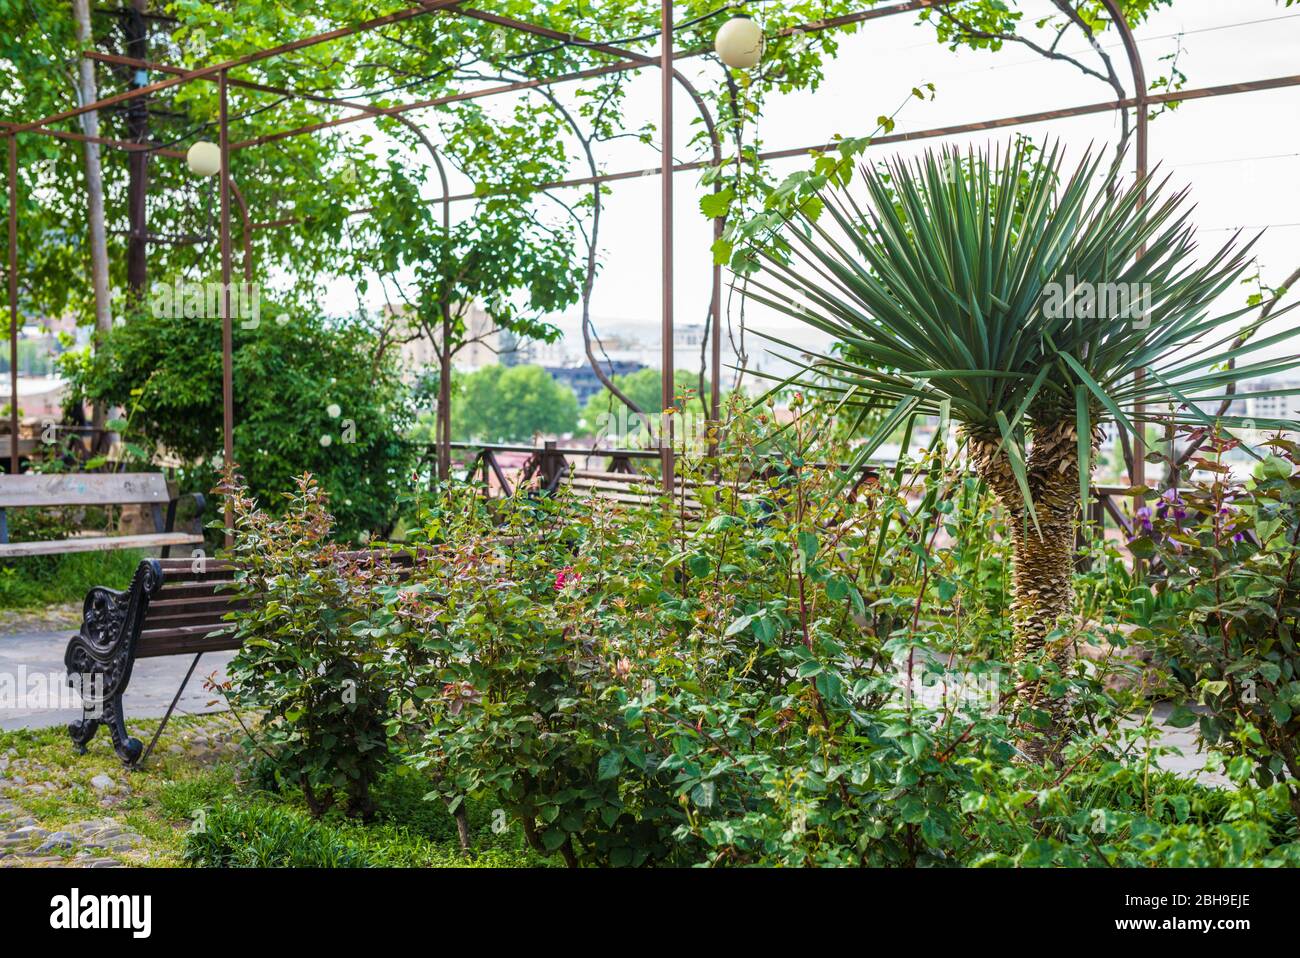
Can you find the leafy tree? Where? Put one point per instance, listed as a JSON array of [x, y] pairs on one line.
[[504, 256], [311, 179], [513, 404], [311, 395], [985, 293]]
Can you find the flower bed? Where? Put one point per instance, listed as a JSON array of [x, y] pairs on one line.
[[769, 680]]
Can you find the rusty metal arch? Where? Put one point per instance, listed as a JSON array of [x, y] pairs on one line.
[[665, 61], [1137, 459]]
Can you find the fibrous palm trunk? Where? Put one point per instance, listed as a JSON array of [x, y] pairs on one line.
[[1043, 559]]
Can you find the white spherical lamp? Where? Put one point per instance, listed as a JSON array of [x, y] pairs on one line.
[[740, 43], [204, 158]]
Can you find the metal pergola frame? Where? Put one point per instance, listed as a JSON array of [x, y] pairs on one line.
[[628, 60]]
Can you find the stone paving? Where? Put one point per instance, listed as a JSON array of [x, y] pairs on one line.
[[35, 641], [153, 681], [104, 842], [102, 838], [54, 618]]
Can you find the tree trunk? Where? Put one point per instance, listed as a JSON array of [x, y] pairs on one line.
[[1042, 605], [137, 125], [94, 187]]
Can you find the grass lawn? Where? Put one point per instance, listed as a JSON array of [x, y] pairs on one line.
[[198, 803], [37, 581]]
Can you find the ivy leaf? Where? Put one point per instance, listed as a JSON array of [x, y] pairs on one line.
[[717, 204]]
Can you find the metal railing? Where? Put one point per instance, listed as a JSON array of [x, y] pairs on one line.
[[547, 466]]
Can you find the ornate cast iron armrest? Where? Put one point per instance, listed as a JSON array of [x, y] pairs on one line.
[[100, 657]]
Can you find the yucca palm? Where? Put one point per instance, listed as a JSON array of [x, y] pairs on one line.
[[968, 286]]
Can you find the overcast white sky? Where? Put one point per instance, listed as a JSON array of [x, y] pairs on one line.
[[1240, 154]]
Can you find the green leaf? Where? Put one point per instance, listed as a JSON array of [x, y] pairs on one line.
[[738, 625], [609, 766], [1017, 464], [1272, 467], [1097, 391], [716, 204], [704, 794], [808, 545]]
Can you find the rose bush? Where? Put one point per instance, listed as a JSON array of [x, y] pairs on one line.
[[782, 665]]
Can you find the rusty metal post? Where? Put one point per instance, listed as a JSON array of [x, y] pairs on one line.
[[227, 324], [248, 233], [444, 351], [1138, 478], [13, 304], [666, 182], [444, 373]]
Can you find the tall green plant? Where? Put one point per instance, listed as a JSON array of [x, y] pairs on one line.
[[1024, 304]]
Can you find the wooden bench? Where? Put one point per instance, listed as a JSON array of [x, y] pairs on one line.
[[94, 489], [628, 489], [172, 607]]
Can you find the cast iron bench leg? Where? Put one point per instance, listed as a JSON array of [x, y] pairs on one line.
[[83, 730], [100, 657]]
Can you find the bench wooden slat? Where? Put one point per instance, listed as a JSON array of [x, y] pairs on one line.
[[186, 640], [217, 602], [153, 540], [83, 489], [628, 495], [186, 619], [191, 590]]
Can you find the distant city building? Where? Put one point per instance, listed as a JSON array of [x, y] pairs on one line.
[[532, 352], [582, 379], [41, 389], [1270, 407], [639, 342], [420, 353]]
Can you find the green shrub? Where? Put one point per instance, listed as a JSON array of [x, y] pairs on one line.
[[309, 662], [633, 687], [294, 384], [783, 678], [1232, 551], [520, 709], [261, 830], [266, 836]]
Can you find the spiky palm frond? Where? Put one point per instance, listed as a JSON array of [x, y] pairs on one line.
[[974, 282]]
